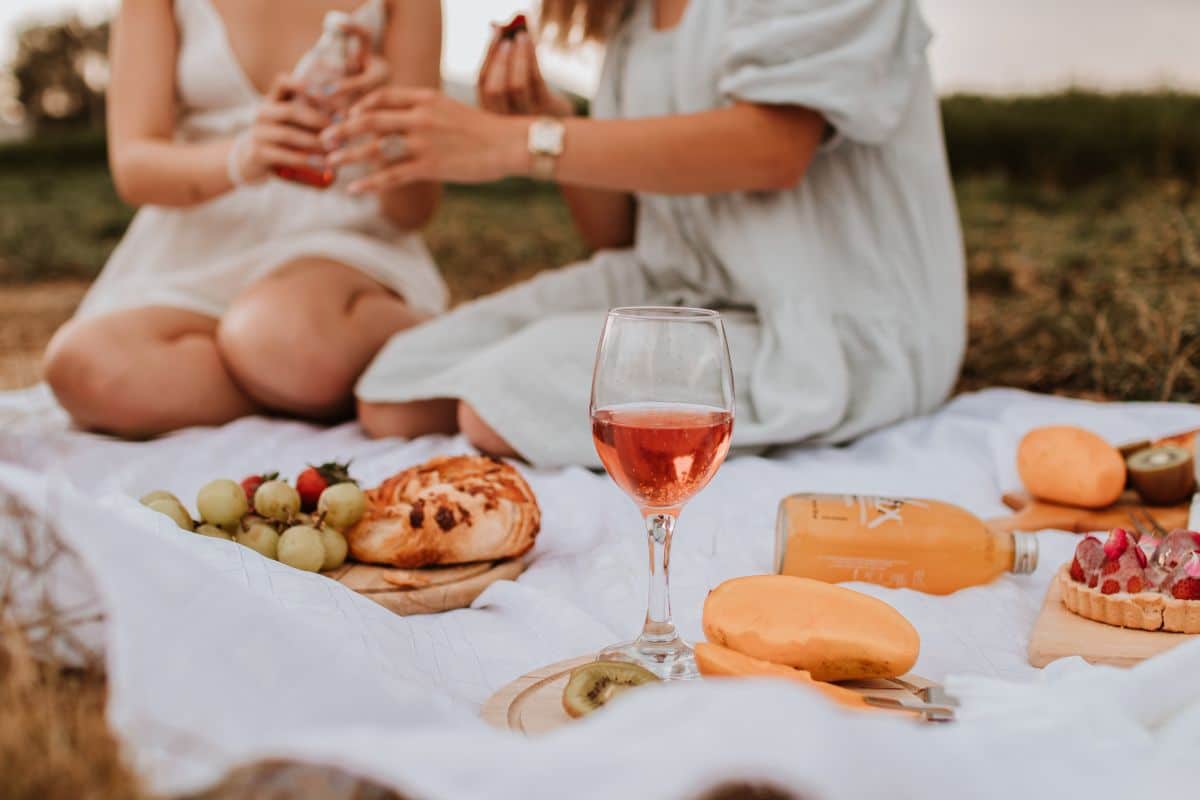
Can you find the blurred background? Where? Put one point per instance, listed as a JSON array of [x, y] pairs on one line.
[[1073, 129]]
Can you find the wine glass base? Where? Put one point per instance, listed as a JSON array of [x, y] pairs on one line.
[[671, 661]]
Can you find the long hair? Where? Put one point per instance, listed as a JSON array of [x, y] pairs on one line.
[[575, 21]]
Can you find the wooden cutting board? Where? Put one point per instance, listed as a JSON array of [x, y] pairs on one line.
[[427, 590], [1058, 634], [1035, 515], [532, 704]]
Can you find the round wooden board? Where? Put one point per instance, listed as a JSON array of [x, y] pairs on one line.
[[532, 704], [427, 590]]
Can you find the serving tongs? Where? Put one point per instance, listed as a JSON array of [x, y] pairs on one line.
[[931, 703]]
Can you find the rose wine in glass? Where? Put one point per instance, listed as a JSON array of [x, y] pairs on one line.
[[662, 418]]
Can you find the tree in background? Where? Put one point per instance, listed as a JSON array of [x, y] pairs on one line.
[[61, 72]]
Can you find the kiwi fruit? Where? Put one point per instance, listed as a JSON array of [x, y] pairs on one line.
[[594, 684], [1162, 475]]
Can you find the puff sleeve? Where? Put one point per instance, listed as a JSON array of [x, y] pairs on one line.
[[855, 61]]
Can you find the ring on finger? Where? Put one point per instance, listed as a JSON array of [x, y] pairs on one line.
[[393, 147]]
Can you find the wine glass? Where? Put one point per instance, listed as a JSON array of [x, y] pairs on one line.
[[662, 417]]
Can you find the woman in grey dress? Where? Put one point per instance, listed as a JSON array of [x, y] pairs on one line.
[[781, 160]]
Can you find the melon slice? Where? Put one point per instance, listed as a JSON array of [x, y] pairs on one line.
[[716, 661], [834, 633]]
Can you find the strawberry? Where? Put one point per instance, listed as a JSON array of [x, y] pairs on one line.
[[1117, 543], [1141, 556], [250, 483], [1186, 589], [1110, 586], [517, 25], [1076, 571], [314, 480], [1134, 585]]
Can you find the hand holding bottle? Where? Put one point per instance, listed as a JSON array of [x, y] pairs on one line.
[[284, 135]]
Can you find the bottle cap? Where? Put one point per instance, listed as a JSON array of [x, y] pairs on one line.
[[336, 20], [1025, 553]]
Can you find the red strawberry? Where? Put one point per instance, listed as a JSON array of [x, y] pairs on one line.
[[1117, 542], [1186, 589], [1134, 585], [1141, 556], [1110, 586], [517, 25], [250, 483], [314, 480], [1196, 538], [1076, 571]]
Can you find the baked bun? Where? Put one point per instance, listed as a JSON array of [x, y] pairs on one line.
[[450, 510]]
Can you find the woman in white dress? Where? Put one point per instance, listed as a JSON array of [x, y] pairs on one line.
[[779, 159], [235, 291]]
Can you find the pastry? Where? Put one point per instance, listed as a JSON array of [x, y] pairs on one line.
[[1117, 583], [450, 510]]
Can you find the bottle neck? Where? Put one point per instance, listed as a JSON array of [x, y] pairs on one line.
[[1025, 553]]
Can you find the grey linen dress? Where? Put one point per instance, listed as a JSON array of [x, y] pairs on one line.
[[845, 295]]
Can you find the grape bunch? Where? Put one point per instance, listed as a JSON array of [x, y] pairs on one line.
[[299, 526]]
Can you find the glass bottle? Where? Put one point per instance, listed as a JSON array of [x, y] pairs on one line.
[[338, 53], [927, 545]]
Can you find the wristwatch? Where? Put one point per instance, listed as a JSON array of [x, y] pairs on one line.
[[546, 135]]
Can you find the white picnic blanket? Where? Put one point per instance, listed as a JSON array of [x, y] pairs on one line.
[[218, 657]]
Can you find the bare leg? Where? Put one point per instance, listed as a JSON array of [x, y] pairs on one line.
[[408, 420], [297, 340], [143, 372], [482, 435], [420, 417]]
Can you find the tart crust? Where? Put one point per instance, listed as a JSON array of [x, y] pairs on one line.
[[1147, 611]]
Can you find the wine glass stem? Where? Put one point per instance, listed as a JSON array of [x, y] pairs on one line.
[[659, 627]]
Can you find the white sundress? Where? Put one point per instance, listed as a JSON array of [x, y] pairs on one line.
[[201, 257], [845, 295]]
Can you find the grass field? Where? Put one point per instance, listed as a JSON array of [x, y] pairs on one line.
[[1091, 291]]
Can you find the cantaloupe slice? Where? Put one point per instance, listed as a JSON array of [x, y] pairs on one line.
[[834, 633], [715, 661]]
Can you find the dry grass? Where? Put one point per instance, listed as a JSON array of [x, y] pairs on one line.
[[1092, 293]]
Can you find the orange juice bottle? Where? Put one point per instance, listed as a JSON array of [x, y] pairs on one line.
[[933, 547]]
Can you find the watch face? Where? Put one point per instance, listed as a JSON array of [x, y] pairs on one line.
[[546, 136]]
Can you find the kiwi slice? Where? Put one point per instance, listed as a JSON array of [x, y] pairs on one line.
[[594, 684], [1162, 475]]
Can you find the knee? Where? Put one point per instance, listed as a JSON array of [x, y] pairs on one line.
[[84, 375], [279, 359], [481, 435]]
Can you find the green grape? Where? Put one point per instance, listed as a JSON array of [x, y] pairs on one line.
[[300, 547], [343, 504], [175, 510], [335, 548], [276, 500], [159, 494], [213, 531], [221, 502], [262, 538]]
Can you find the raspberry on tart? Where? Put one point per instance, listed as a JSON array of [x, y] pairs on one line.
[[1119, 584]]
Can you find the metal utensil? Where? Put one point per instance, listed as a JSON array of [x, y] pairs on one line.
[[933, 695], [927, 712], [1146, 525]]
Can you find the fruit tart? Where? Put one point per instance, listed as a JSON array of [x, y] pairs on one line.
[[1117, 582]]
